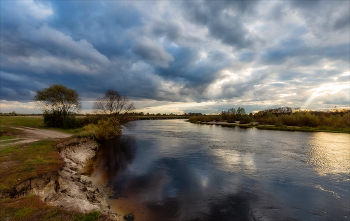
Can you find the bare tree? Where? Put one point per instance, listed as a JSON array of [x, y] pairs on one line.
[[112, 104]]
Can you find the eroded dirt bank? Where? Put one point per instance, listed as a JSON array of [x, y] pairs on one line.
[[67, 188]]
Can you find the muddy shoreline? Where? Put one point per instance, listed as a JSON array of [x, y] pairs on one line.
[[67, 188]]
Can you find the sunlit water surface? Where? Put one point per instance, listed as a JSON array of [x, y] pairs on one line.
[[174, 170]]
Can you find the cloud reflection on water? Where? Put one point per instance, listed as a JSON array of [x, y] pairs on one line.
[[173, 170]]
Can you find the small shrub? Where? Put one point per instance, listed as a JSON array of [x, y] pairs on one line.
[[195, 119], [90, 120], [231, 118], [279, 123], [245, 119], [106, 128]]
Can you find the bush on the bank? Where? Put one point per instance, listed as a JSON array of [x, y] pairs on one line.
[[90, 119], [196, 119], [105, 128], [55, 119], [270, 119], [231, 118], [245, 119], [307, 119]]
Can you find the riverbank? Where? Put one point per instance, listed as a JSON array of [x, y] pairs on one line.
[[281, 128], [50, 173]]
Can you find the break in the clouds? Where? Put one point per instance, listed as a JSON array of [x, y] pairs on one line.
[[178, 56]]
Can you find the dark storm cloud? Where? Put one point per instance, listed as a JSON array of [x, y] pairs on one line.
[[223, 20], [152, 52], [206, 71], [230, 31], [172, 30], [305, 54], [305, 5], [343, 22], [322, 17], [15, 45], [174, 51], [194, 72], [104, 24], [57, 43], [184, 59], [17, 87]]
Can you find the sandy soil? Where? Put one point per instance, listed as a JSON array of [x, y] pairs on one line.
[[41, 134]]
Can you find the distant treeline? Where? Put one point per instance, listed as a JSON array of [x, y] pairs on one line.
[[136, 114], [282, 116], [159, 114]]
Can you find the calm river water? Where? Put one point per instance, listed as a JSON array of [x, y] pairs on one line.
[[173, 170]]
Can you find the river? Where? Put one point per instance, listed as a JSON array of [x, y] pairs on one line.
[[163, 170]]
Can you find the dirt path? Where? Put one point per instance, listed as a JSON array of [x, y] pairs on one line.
[[30, 135]]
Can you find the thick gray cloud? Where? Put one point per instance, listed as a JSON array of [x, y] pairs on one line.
[[252, 53], [152, 52], [56, 42], [172, 30], [224, 20]]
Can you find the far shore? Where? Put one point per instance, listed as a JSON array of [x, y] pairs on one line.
[[274, 127]]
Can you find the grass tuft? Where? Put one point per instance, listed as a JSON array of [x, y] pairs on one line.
[[92, 216]]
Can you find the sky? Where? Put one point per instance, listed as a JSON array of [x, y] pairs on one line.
[[178, 56]]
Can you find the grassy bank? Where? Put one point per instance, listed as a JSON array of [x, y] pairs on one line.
[[312, 121], [32, 208], [282, 127], [306, 129], [24, 161], [6, 122], [20, 162], [24, 121]]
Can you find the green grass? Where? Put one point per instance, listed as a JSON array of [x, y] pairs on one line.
[[31, 208], [23, 212], [88, 217], [3, 142], [24, 161], [2, 138], [29, 121], [17, 121]]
